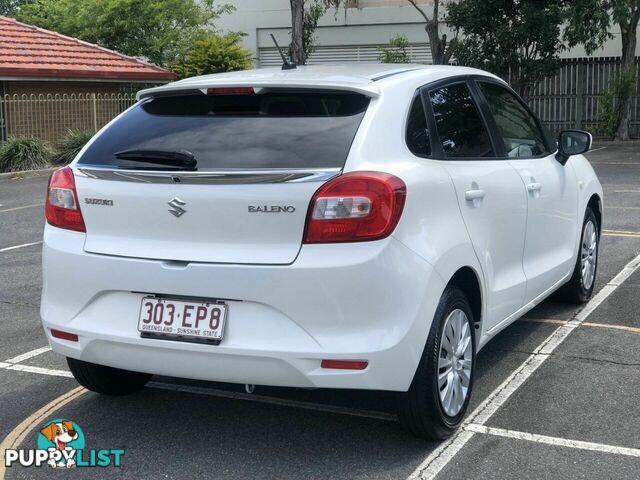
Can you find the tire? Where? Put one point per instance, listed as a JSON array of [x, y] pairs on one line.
[[106, 380], [421, 409], [580, 287]]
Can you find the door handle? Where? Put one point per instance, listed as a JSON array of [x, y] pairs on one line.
[[534, 187], [471, 195]]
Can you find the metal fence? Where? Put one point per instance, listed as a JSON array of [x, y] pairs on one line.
[[50, 117], [571, 98]]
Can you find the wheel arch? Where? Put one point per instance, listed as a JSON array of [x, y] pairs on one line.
[[595, 203], [467, 280]]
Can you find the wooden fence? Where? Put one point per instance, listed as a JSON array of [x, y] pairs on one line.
[[570, 99]]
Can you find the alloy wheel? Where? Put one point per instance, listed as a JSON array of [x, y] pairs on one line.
[[455, 363], [589, 254]]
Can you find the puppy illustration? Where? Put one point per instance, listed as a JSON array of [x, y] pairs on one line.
[[61, 434]]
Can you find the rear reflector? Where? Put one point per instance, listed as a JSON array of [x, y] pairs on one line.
[[231, 91], [62, 208], [355, 207], [72, 337], [344, 364]]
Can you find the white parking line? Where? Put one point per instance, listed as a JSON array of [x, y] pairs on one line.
[[14, 209], [39, 370], [28, 355], [555, 441], [441, 456], [19, 246], [597, 149]]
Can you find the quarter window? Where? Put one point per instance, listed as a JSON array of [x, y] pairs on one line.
[[418, 139], [460, 127], [519, 130]]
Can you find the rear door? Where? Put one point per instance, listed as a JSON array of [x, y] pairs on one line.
[[490, 195], [551, 189], [261, 155]]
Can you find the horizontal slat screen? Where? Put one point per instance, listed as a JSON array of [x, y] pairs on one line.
[[419, 53]]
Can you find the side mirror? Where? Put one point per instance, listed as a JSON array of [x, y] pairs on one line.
[[572, 142]]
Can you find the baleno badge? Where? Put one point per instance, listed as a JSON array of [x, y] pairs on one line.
[[271, 209]]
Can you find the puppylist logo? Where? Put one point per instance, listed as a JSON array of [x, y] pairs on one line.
[[61, 444]]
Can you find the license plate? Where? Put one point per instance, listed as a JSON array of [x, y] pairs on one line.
[[180, 320]]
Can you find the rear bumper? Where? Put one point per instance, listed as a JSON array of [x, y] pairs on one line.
[[369, 301]]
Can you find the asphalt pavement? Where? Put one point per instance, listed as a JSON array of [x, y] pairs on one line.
[[556, 394]]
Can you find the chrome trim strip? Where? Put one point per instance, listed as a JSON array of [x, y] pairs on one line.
[[220, 177]]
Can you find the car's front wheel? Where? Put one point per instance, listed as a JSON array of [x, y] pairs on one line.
[[106, 380], [438, 397]]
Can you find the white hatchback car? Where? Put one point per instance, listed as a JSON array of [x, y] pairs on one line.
[[359, 226]]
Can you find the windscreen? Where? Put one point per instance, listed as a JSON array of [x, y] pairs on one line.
[[269, 129]]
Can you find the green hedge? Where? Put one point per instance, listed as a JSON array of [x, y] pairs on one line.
[[70, 146], [24, 153], [28, 153]]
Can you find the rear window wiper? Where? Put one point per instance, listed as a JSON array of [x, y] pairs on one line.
[[180, 159]]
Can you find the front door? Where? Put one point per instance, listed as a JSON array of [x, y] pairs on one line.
[[551, 190]]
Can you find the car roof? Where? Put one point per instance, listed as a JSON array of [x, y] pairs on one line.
[[360, 76]]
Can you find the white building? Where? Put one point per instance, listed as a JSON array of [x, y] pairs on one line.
[[346, 34]]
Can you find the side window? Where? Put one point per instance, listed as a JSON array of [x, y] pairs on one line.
[[460, 127], [418, 139], [520, 131]]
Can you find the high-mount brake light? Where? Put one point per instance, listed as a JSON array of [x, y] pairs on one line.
[[62, 208], [355, 207], [231, 91]]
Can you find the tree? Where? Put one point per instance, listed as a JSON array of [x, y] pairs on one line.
[[396, 51], [212, 54], [305, 15], [441, 49], [8, 8], [599, 16], [312, 15], [296, 47], [157, 30], [520, 39]]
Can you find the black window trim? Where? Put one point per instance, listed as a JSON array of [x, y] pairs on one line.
[[551, 148], [416, 94], [436, 146]]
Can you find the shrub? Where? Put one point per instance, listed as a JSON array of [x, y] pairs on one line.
[[620, 90], [213, 54], [24, 153], [396, 51], [70, 145]]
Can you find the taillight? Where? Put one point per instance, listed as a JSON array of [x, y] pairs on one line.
[[355, 207], [62, 208]]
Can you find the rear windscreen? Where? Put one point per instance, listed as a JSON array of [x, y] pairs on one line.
[[277, 129]]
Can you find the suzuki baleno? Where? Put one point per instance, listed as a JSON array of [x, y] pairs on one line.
[[355, 227]]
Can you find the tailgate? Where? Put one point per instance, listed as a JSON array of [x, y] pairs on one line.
[[221, 175]]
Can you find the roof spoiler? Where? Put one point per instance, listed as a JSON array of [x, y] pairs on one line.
[[178, 89]]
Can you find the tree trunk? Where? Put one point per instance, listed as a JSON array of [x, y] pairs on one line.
[[438, 44], [439, 53], [296, 48], [629, 40]]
